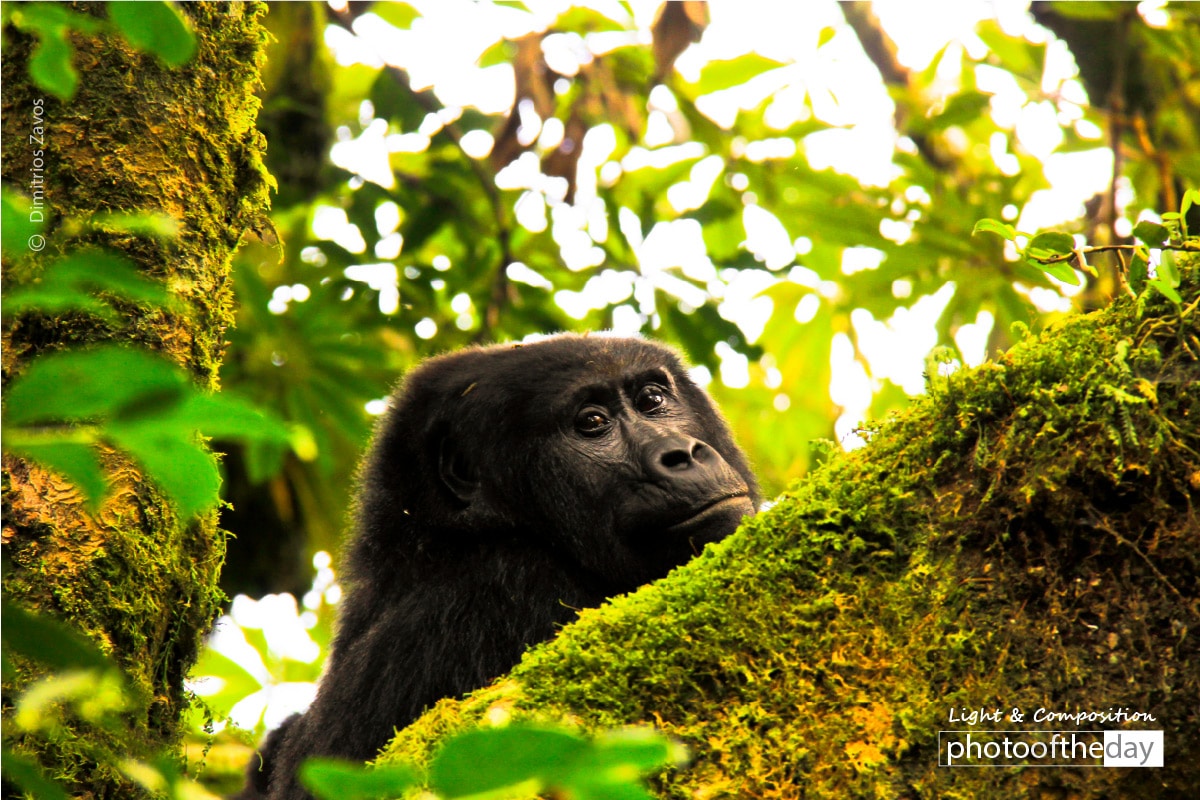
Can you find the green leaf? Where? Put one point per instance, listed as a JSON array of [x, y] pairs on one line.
[[1139, 271], [185, 471], [19, 222], [1168, 269], [718, 75], [487, 759], [997, 227], [237, 682], [331, 779], [1166, 289], [225, 416], [398, 14], [50, 67], [1190, 198], [69, 282], [48, 641], [1150, 233], [962, 109], [1049, 245], [162, 226], [75, 461], [156, 27], [502, 52], [26, 774], [85, 384]]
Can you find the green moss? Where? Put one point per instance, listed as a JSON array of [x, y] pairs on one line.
[[1026, 535], [137, 137]]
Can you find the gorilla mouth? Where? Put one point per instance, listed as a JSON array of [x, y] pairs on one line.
[[726, 509]]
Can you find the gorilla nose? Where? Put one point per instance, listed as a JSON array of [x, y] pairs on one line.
[[669, 456]]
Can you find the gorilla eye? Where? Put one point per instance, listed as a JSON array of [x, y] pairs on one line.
[[650, 398], [591, 421]]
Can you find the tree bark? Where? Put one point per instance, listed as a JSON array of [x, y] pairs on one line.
[[137, 137], [1026, 536]]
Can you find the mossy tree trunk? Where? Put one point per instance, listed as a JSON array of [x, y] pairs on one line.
[[1025, 536], [138, 136]]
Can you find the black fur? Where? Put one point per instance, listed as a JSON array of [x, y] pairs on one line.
[[486, 516]]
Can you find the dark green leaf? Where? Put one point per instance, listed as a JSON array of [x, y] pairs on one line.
[[1139, 270], [331, 779], [487, 759], [397, 103], [1150, 233], [156, 27], [23, 772], [48, 641], [75, 461]]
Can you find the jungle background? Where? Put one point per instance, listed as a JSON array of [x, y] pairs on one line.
[[786, 192]]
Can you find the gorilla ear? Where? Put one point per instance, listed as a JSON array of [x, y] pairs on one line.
[[456, 472]]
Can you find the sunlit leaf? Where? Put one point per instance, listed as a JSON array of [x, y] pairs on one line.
[[718, 75], [997, 227], [396, 13], [237, 682]]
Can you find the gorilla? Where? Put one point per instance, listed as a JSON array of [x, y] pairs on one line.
[[506, 488]]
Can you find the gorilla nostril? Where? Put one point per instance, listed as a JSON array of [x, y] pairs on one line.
[[676, 458]]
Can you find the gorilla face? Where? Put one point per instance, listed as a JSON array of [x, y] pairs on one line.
[[506, 488], [603, 449]]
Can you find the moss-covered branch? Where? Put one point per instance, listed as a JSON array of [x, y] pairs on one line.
[[1026, 535]]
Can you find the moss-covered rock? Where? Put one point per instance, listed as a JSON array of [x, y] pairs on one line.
[[1025, 536]]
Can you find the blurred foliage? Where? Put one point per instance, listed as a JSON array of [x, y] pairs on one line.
[[85, 686], [604, 155], [511, 761], [155, 27]]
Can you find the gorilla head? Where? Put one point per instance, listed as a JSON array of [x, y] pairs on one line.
[[507, 487]]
